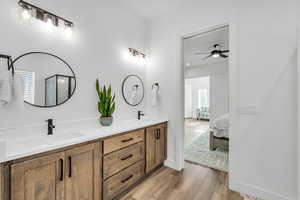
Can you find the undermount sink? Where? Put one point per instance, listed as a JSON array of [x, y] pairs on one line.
[[47, 139]]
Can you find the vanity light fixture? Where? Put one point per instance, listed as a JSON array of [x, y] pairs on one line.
[[68, 29], [137, 53], [49, 21], [138, 57], [49, 18], [26, 11]]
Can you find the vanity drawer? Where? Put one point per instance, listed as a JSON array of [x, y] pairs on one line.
[[116, 161], [121, 141], [123, 180]]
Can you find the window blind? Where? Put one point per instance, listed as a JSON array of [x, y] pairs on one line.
[[29, 79]]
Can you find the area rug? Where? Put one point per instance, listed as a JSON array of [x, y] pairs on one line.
[[198, 152]]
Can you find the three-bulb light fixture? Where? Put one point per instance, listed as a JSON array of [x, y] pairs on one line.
[[31, 11], [139, 57]]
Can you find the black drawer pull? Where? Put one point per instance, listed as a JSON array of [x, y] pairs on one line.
[[61, 169], [70, 166], [127, 140], [158, 134], [127, 179], [127, 157]]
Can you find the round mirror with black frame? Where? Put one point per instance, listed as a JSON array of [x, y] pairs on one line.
[[49, 80], [133, 90]]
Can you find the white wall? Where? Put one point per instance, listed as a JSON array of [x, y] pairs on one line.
[[207, 70], [263, 153], [298, 92], [219, 96], [188, 101], [196, 84], [103, 32]]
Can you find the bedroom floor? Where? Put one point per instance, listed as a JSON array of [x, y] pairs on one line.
[[196, 148], [193, 129]]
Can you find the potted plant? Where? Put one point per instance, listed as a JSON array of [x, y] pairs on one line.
[[106, 104]]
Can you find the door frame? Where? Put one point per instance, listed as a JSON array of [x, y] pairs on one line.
[[298, 96], [233, 87]]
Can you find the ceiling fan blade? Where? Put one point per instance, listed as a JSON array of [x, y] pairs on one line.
[[207, 57], [225, 51], [202, 53], [223, 56]]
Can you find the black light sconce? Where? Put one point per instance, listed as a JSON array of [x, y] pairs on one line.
[[30, 10]]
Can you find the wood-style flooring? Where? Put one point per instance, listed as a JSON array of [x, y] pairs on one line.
[[193, 183]]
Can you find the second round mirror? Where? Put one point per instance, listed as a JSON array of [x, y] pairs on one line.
[[133, 90]]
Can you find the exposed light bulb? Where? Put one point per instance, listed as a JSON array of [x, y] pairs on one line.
[[26, 14], [188, 64], [49, 23], [68, 30]]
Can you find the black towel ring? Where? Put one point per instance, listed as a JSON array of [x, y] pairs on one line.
[[155, 84]]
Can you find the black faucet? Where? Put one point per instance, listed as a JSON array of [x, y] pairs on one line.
[[50, 126], [140, 113]]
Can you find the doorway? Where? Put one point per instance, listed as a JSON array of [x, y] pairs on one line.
[[206, 83]]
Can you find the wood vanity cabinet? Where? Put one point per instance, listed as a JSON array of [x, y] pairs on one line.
[[4, 179], [69, 175], [40, 178], [156, 148], [102, 169], [83, 178], [123, 162]]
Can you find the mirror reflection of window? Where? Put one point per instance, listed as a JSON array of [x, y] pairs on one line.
[[29, 83]]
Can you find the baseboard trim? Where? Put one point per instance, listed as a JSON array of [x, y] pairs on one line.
[[172, 164], [254, 191]]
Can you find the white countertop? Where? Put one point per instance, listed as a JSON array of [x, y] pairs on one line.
[[20, 147]]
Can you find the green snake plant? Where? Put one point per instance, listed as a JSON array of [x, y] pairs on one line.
[[106, 102]]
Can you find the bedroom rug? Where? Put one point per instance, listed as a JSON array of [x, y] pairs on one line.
[[198, 153]]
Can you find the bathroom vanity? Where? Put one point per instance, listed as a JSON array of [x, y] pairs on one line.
[[94, 168]]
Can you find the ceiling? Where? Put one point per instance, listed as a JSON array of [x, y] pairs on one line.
[[151, 9], [205, 43]]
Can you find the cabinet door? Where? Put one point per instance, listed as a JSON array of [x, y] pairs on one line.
[[150, 149], [38, 179], [83, 172], [160, 144]]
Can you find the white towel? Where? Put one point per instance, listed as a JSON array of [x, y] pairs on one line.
[[5, 88], [134, 96], [18, 91], [154, 96]]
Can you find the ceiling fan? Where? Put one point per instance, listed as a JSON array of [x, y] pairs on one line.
[[215, 52]]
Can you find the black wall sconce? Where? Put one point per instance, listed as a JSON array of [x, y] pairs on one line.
[[30, 10]]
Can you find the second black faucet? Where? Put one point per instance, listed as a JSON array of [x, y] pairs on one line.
[[140, 113], [50, 126]]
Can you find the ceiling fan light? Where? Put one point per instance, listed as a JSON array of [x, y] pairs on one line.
[[216, 55]]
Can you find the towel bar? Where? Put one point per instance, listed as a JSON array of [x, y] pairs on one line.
[[155, 84], [10, 64]]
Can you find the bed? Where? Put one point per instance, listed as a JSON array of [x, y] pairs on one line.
[[219, 133]]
